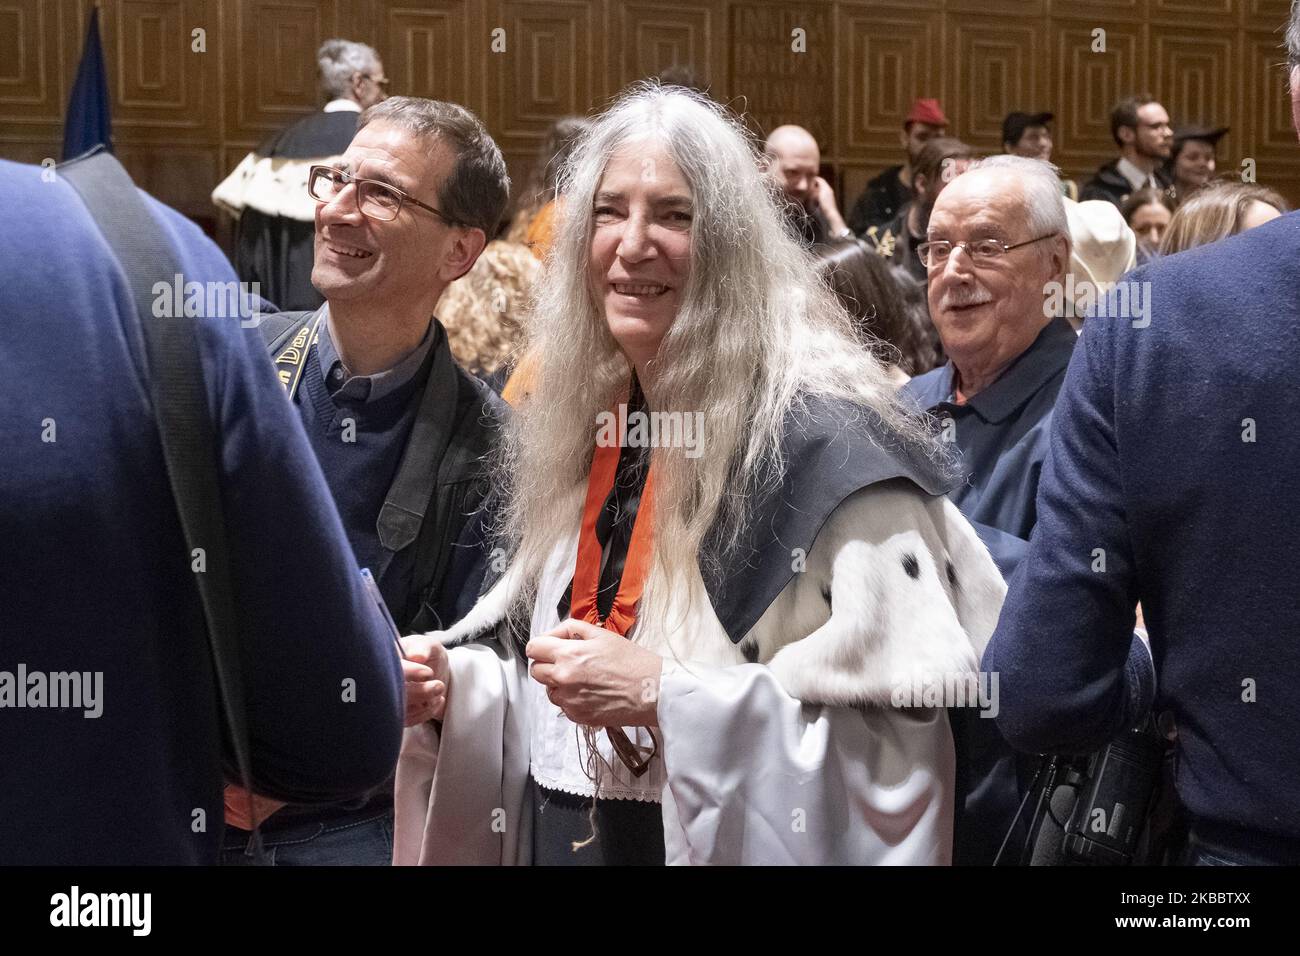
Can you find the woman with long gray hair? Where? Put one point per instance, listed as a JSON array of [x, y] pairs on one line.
[[735, 593]]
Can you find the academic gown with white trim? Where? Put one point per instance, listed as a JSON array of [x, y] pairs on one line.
[[804, 757]]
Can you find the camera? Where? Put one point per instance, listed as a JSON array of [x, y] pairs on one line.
[[1093, 810]]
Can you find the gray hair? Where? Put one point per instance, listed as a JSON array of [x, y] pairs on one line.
[[757, 333], [1041, 182], [1293, 36], [338, 61], [476, 192]]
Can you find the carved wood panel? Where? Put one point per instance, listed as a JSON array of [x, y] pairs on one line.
[[995, 69], [656, 36], [163, 88], [1195, 75], [1088, 82], [1099, 10], [886, 60], [1194, 13], [782, 65], [426, 50], [270, 62], [846, 69], [31, 94]]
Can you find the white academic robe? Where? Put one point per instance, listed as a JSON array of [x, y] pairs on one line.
[[805, 758]]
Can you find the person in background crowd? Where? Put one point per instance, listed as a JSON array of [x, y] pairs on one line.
[[1028, 135], [941, 160], [793, 160], [1148, 213], [1192, 163], [533, 218], [1172, 437], [533, 225], [398, 428], [886, 193], [1141, 130], [998, 240], [683, 75], [482, 310], [886, 305], [1220, 210], [267, 192], [98, 577], [1102, 249]]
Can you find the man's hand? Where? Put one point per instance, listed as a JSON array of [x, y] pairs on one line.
[[237, 807], [596, 677], [428, 677], [824, 196]]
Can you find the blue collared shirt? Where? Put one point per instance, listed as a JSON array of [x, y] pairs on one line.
[[1001, 433], [362, 389]]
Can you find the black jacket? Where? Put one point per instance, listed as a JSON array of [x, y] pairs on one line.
[[879, 202], [896, 243], [438, 502], [1109, 184]]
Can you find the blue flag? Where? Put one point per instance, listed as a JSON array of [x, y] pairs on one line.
[[88, 123]]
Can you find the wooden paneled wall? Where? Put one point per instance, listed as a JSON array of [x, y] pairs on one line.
[[182, 119]]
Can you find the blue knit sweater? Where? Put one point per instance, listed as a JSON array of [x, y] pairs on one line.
[[95, 576], [1174, 454], [359, 446]]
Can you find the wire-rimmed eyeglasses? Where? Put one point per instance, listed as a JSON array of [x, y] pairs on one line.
[[935, 254]]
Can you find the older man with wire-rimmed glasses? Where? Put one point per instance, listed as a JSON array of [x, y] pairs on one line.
[[399, 430], [997, 240]]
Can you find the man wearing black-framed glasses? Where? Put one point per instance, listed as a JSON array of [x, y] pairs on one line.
[[998, 237], [400, 431], [376, 199]]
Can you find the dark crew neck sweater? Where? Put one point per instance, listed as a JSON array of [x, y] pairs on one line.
[[359, 446]]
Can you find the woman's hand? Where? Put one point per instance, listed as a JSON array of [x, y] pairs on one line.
[[596, 677], [428, 678]]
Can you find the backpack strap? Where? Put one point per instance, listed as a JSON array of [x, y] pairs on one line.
[[176, 385]]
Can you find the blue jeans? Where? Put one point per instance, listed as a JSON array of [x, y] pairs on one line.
[[365, 839]]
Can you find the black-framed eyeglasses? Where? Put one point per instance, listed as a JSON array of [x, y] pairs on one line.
[[935, 254], [375, 200]]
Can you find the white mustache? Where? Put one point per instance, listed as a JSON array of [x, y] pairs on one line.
[[964, 295]]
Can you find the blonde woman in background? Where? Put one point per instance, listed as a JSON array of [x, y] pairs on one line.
[[1220, 210]]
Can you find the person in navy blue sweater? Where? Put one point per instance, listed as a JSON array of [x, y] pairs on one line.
[[97, 577], [1174, 449]]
